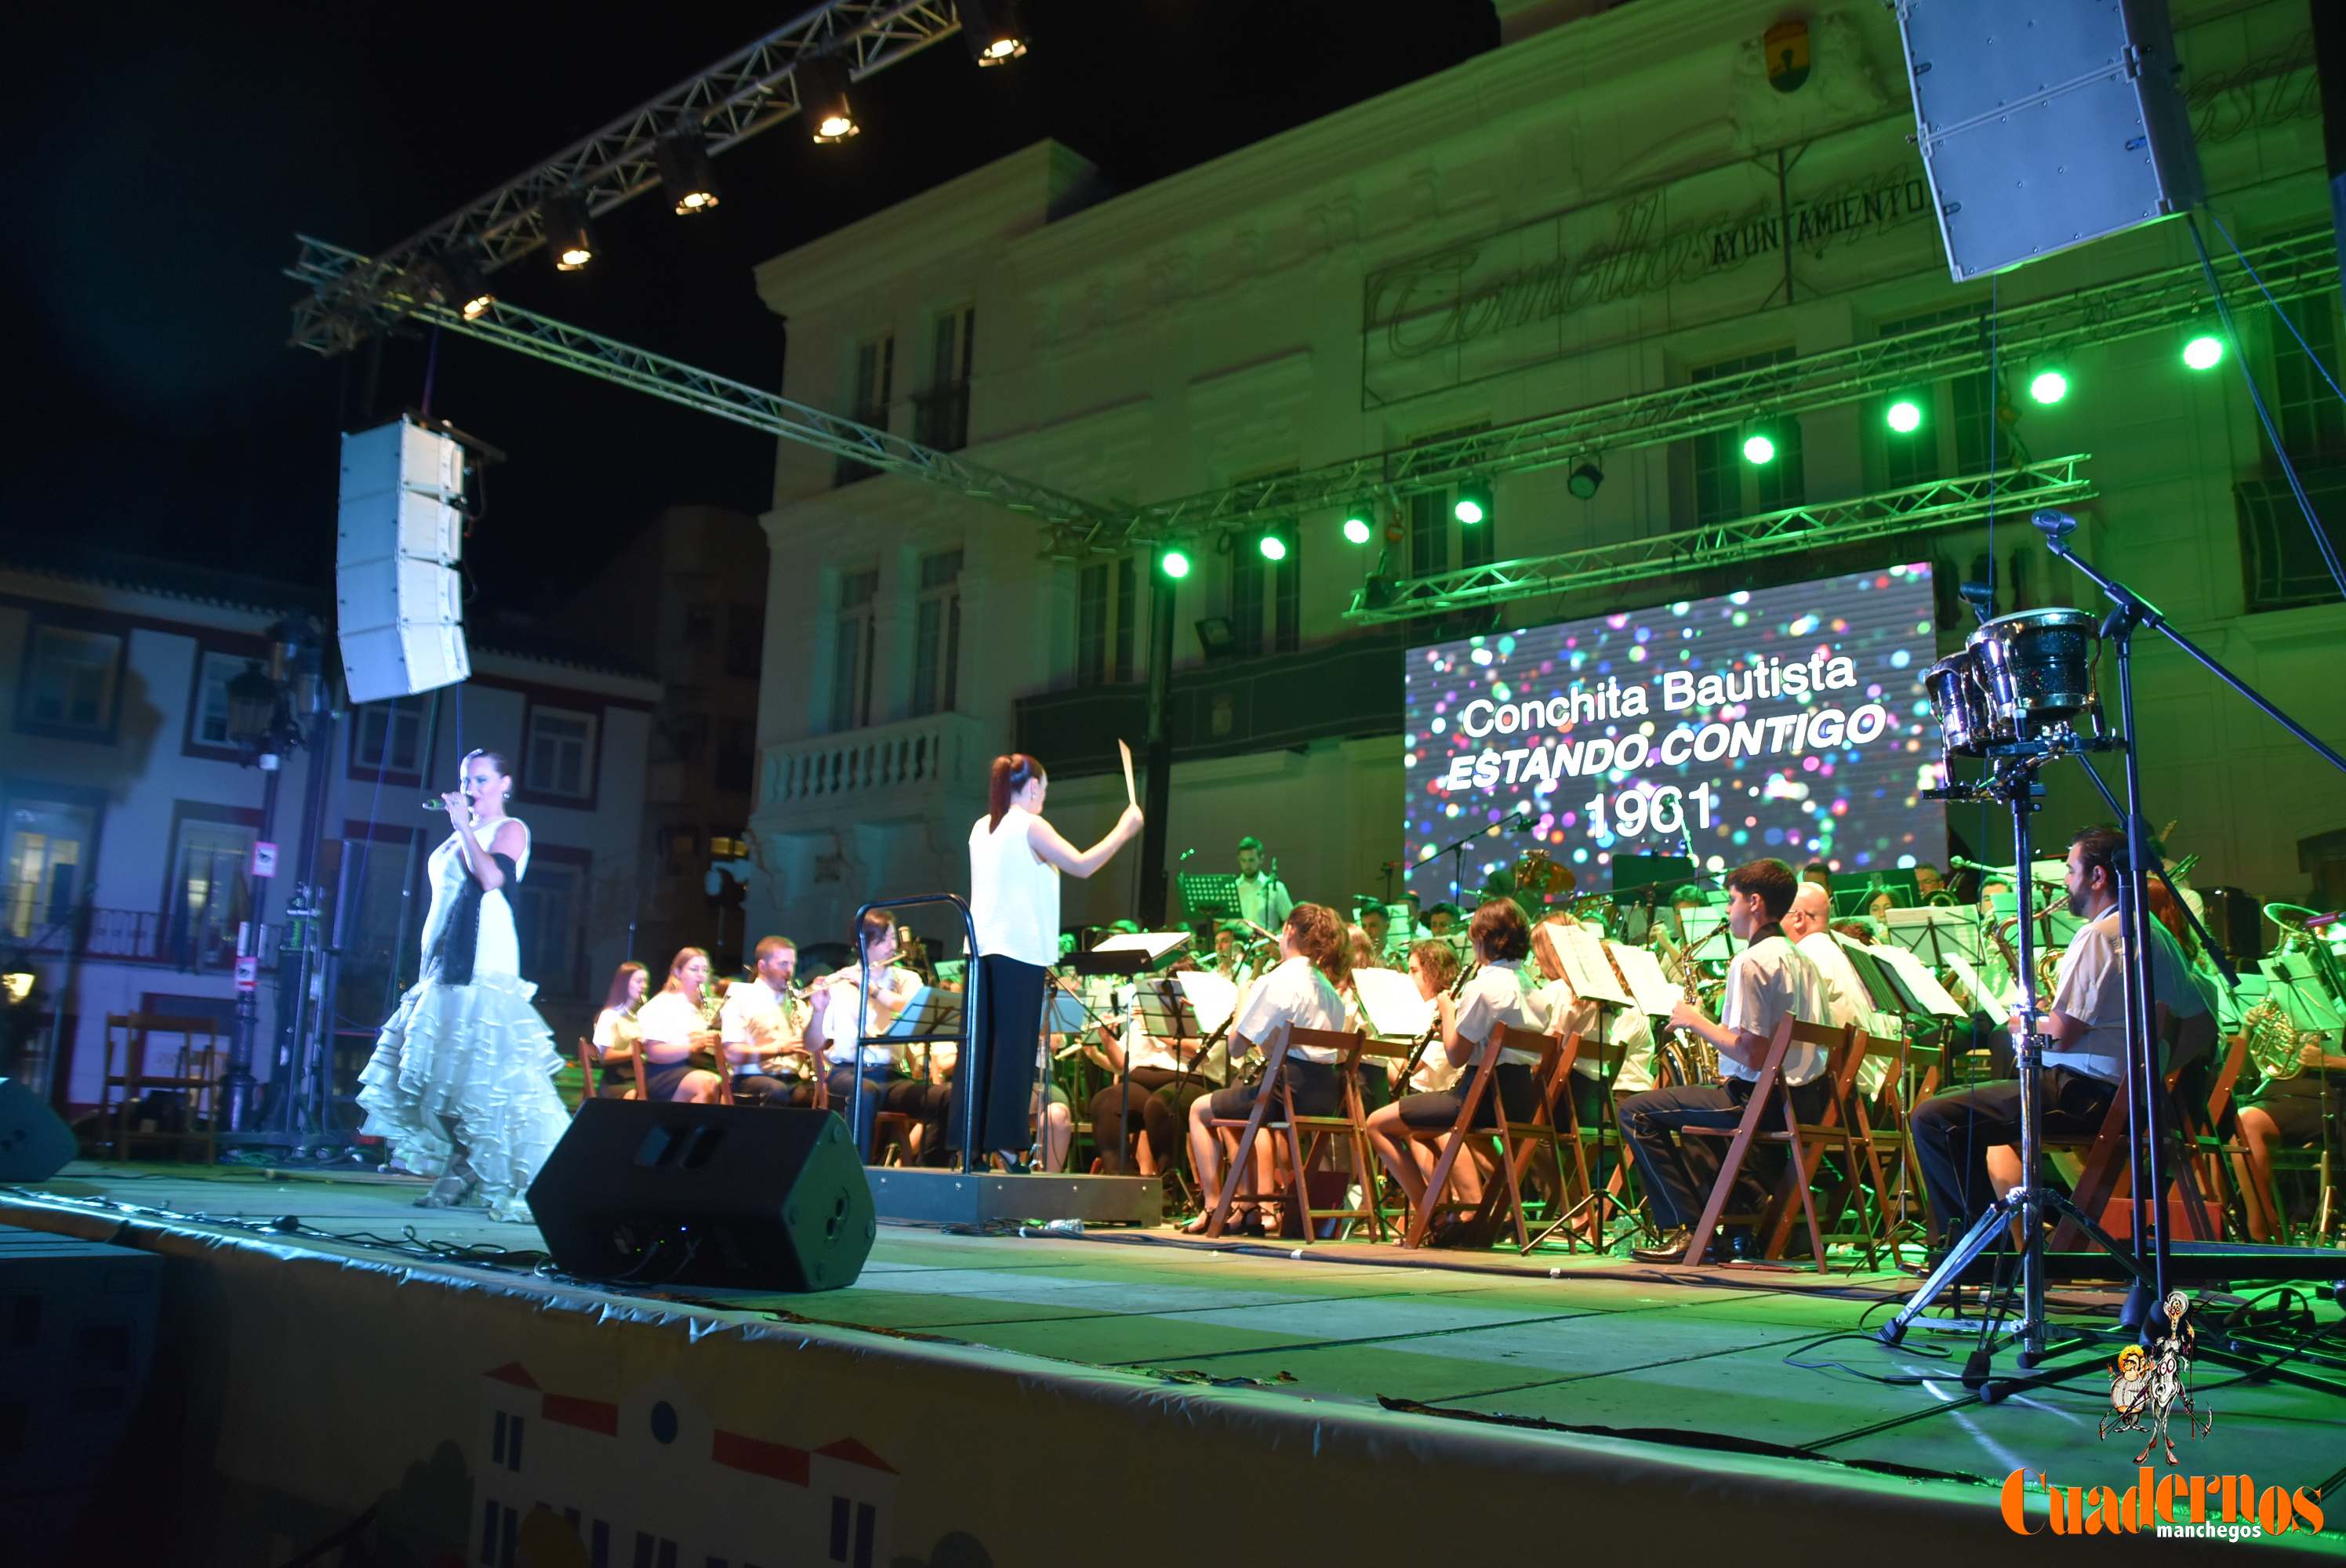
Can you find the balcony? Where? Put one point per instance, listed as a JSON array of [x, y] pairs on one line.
[[1220, 709], [130, 936], [883, 767]]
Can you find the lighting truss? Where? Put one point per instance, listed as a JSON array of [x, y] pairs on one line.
[[746, 92], [1885, 514], [2292, 267], [324, 266]]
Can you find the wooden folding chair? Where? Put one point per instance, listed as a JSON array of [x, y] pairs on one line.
[[1843, 1129], [1885, 1125], [2224, 1157], [1515, 1143], [1768, 1101], [2106, 1171], [1306, 1138], [585, 1055], [192, 1070]]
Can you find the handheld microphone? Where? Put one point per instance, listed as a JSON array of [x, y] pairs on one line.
[[437, 804]]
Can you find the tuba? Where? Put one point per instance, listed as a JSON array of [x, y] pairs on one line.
[[2275, 1042]]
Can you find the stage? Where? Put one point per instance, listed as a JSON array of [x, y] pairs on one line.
[[1025, 1399]]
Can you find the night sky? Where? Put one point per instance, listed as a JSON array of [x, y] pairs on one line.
[[165, 157]]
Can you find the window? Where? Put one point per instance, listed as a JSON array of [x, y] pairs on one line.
[[50, 844], [1249, 572], [944, 408], [854, 646], [561, 754], [936, 634], [1433, 524], [205, 896], [1107, 615], [378, 935], [208, 713], [737, 755], [1265, 597], [71, 679], [2313, 420], [1725, 485], [700, 624], [745, 640], [388, 736], [1957, 416], [875, 378], [545, 919]]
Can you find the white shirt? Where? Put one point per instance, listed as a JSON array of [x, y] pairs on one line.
[[1264, 900], [670, 1018], [1501, 993], [615, 1026], [754, 1018], [1627, 1028], [1848, 1002], [1295, 994], [1142, 1049], [1014, 892], [1768, 981], [839, 1013], [2090, 986]]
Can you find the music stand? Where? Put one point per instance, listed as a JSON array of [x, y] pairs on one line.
[[1208, 895], [933, 1014], [1129, 954], [1593, 969]]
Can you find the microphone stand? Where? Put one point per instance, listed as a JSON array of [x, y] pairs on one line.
[[1457, 850]]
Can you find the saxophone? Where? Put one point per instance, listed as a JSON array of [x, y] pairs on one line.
[[1692, 1059], [2275, 1042]]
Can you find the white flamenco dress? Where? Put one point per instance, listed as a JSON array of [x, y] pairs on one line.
[[468, 1069]]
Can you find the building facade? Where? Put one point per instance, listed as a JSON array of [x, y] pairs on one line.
[[685, 600], [1613, 203], [131, 816]]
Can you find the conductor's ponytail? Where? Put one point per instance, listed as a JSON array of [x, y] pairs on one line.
[[1010, 774]]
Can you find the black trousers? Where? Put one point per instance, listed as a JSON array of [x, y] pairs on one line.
[[1009, 1031], [1679, 1172], [1953, 1133], [923, 1102], [764, 1089]]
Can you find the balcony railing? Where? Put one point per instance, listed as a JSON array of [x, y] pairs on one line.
[[129, 936], [942, 751]]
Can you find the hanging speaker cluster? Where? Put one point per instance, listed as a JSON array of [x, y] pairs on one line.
[[399, 609]]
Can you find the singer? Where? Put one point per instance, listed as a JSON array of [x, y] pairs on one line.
[[1015, 858], [462, 1078]]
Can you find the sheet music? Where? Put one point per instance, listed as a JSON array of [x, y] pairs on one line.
[[1390, 1004], [1990, 1001], [1918, 980], [1582, 952], [1709, 938], [1164, 1011], [1151, 944], [1212, 997], [1937, 932], [1655, 993], [932, 1010]]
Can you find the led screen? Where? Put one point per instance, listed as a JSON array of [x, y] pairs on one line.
[[1789, 722]]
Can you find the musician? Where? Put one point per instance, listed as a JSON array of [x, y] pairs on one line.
[[1262, 897], [671, 1025], [1015, 861], [1818, 873], [1314, 959], [1229, 950], [1767, 981], [1807, 925], [1441, 918], [1378, 926], [764, 1038], [1502, 992], [1162, 1093], [2085, 1059], [1928, 882], [616, 1034], [877, 1064]]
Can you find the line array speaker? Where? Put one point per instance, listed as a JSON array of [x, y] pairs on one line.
[[399, 533]]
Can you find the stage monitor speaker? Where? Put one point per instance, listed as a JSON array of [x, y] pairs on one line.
[[399, 606], [34, 1144], [2046, 126], [749, 1197]]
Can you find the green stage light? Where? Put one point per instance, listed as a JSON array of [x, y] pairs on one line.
[[1758, 449], [1474, 502], [1357, 530], [1173, 564], [2048, 387], [2204, 353], [1273, 547], [1905, 416]]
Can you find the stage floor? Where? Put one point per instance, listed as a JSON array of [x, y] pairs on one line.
[[1709, 1358]]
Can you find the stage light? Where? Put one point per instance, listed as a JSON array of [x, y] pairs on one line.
[[1474, 502], [994, 31], [2204, 353], [2048, 387], [682, 159], [823, 96], [1273, 547], [1360, 523], [1758, 449], [1173, 564], [566, 235], [1584, 480], [455, 277], [1904, 416]]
